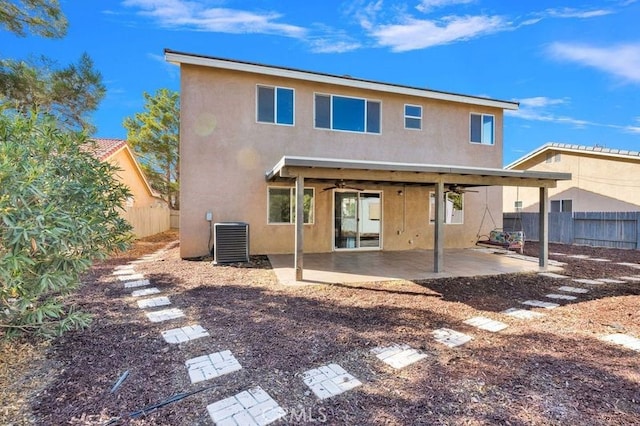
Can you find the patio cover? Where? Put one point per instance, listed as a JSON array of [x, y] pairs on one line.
[[297, 169]]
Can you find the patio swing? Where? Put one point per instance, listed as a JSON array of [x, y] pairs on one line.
[[498, 237]]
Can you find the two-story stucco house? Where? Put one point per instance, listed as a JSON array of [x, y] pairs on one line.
[[373, 166], [602, 179]]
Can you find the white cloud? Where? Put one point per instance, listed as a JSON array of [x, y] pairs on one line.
[[428, 5], [568, 12], [196, 16], [622, 61], [415, 34]]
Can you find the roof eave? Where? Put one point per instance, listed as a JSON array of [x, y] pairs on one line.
[[207, 61]]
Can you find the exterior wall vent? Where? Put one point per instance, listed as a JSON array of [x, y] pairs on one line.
[[231, 242]]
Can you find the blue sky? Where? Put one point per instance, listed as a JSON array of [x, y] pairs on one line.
[[574, 66]]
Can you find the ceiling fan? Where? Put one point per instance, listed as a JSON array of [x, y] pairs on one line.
[[341, 184], [458, 189]]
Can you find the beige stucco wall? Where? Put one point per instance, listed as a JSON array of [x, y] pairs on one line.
[[129, 174], [599, 183], [225, 154]]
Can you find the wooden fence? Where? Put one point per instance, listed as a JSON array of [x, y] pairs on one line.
[[147, 221], [175, 219], [598, 229]]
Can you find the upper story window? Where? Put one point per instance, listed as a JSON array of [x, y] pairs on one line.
[[482, 129], [413, 117], [348, 114], [275, 105]]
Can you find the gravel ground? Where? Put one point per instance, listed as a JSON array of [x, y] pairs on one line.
[[554, 370]]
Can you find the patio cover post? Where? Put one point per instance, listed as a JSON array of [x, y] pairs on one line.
[[543, 256], [438, 234], [299, 243]]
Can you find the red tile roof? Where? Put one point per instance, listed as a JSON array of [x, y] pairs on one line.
[[104, 148]]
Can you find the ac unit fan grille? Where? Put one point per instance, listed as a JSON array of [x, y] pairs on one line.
[[231, 243]]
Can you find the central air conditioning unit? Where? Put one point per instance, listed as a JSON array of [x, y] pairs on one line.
[[231, 242]]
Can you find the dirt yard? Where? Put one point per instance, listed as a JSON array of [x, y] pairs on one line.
[[553, 370]]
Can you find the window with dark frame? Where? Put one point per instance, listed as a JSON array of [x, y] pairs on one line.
[[347, 114], [482, 129], [275, 105]]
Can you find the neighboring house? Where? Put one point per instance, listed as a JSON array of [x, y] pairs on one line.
[[145, 210], [373, 162], [603, 179]]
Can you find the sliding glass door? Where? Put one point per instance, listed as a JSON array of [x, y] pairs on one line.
[[357, 220]]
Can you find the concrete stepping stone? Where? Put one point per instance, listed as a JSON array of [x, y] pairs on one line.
[[560, 296], [451, 338], [610, 281], [121, 267], [624, 340], [524, 314], [252, 407], [145, 292], [557, 253], [570, 289], [579, 256], [586, 281], [153, 302], [629, 264], [134, 284], [635, 279], [131, 277], [329, 380], [540, 304], [165, 315], [552, 275], [123, 272], [398, 356], [599, 259], [487, 324], [210, 366], [184, 334]]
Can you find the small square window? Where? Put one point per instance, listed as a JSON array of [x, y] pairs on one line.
[[275, 105], [413, 117], [482, 129]]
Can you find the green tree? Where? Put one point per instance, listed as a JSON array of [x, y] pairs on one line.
[[68, 93], [154, 136], [41, 17], [59, 212]]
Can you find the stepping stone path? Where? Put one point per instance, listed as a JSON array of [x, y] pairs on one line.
[[552, 275], [522, 313], [165, 315], [145, 292], [134, 284], [560, 296], [450, 337], [635, 279], [487, 324], [624, 340], [586, 281], [184, 334], [154, 302], [329, 380], [570, 289], [540, 304], [398, 356], [211, 366], [130, 277], [252, 407]]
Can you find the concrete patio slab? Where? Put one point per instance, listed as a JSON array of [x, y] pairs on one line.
[[450, 337], [487, 324], [252, 407], [398, 356], [524, 314], [329, 380], [362, 266]]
